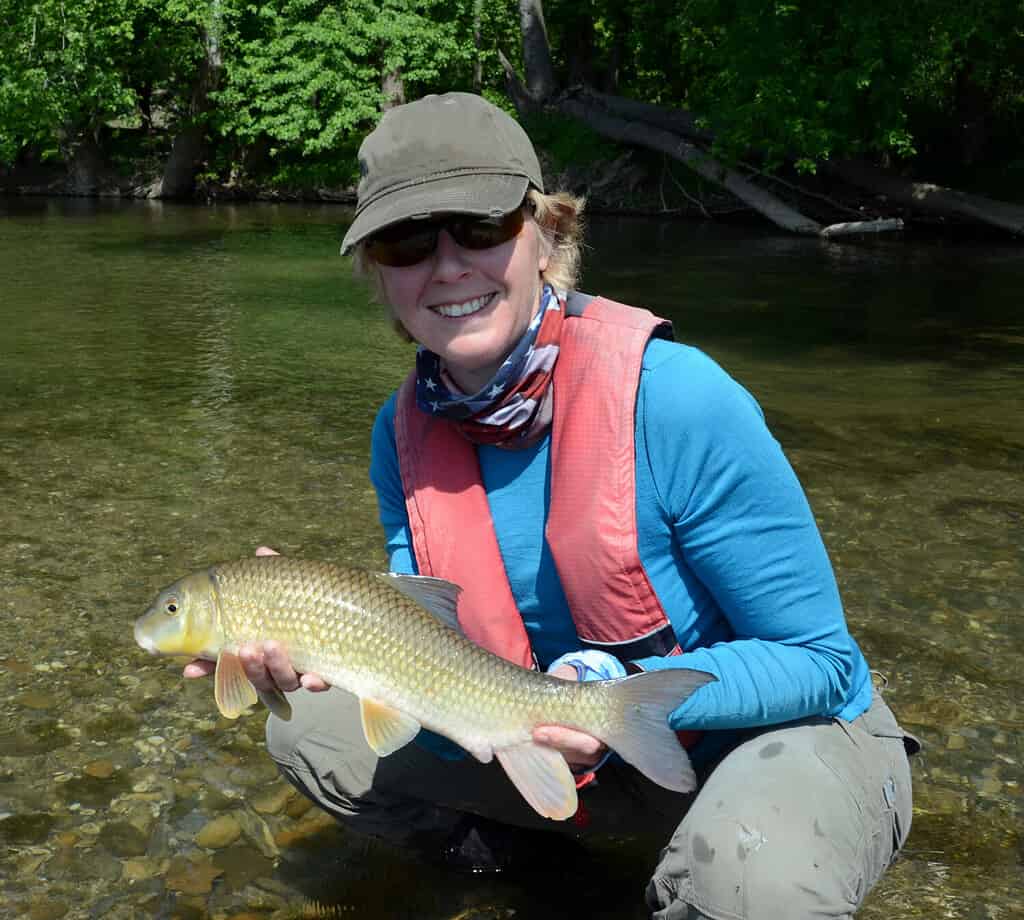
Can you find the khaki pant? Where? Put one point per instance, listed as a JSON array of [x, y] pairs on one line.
[[800, 820]]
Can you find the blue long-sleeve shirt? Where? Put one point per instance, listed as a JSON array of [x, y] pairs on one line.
[[726, 536]]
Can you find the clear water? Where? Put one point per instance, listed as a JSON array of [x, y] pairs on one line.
[[179, 385]]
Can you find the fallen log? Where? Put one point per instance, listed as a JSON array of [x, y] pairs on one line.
[[933, 199], [678, 121], [516, 89], [854, 227], [926, 197], [643, 134]]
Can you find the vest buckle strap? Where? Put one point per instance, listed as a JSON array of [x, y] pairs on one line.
[[656, 644]]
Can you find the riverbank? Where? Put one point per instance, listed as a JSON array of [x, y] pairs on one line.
[[615, 179]]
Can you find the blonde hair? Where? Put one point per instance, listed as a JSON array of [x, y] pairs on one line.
[[559, 217]]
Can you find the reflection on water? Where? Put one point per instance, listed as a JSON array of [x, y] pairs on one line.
[[178, 385]]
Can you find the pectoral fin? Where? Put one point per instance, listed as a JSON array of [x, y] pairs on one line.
[[543, 777], [231, 688], [277, 703], [386, 729]]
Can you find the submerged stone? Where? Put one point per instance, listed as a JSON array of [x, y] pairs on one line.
[[273, 801], [123, 839], [192, 876], [242, 865], [26, 829], [45, 909], [36, 700], [220, 832], [100, 769], [256, 830]]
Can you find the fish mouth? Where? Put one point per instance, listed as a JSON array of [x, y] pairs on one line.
[[143, 639]]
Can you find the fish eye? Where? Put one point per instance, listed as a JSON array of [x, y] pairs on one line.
[[171, 606]]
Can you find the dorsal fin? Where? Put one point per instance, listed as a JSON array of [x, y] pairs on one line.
[[439, 597]]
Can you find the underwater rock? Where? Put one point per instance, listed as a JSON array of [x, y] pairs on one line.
[[222, 831]]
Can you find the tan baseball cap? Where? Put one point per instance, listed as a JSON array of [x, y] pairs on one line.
[[454, 153]]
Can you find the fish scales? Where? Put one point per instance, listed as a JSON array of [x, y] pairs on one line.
[[361, 634], [384, 638]]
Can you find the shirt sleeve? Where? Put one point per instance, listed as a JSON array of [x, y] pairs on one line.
[[745, 530], [387, 482]]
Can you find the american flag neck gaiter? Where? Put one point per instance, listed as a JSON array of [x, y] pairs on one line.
[[513, 410]]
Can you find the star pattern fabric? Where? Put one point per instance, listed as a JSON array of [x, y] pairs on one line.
[[513, 410]]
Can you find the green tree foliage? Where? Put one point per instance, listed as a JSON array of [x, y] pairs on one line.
[[299, 82], [811, 79], [59, 78], [307, 73], [304, 77], [69, 67]]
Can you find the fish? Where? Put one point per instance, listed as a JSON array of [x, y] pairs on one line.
[[394, 641]]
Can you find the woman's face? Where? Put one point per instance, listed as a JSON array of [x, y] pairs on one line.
[[470, 306]]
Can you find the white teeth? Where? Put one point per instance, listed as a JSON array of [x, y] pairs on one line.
[[463, 309]]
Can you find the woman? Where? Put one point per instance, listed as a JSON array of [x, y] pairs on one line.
[[614, 502]]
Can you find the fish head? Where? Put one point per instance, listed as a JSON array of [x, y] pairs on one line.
[[182, 620]]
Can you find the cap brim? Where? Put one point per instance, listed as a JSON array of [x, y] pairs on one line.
[[482, 195]]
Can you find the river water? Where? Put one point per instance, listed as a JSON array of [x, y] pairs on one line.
[[180, 384]]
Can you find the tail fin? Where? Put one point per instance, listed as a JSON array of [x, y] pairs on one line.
[[644, 738]]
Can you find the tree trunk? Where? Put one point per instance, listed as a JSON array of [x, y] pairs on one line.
[[933, 199], [85, 165], [179, 176], [392, 85], [517, 92], [620, 24], [580, 49], [766, 204], [478, 64], [540, 74]]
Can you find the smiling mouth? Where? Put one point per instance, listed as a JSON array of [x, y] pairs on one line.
[[466, 308]]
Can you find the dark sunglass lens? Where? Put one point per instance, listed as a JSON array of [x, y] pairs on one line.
[[411, 242], [487, 232], [404, 245]]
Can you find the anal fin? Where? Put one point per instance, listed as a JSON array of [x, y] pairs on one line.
[[543, 777], [386, 729]]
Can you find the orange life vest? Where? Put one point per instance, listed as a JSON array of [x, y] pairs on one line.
[[591, 525]]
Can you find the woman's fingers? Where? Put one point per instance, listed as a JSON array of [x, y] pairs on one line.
[[266, 664], [313, 682], [199, 667], [580, 750], [268, 667]]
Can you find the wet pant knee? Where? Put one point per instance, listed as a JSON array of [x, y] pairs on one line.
[[722, 869], [321, 751], [777, 831]]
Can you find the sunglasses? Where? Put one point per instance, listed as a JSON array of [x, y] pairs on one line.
[[413, 241]]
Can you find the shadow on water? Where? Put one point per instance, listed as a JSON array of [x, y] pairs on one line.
[[180, 384], [876, 299], [346, 877]]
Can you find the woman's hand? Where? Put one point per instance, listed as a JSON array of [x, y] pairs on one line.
[[581, 751], [266, 664]]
